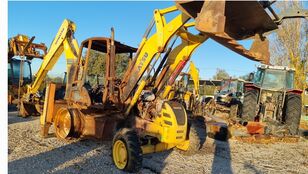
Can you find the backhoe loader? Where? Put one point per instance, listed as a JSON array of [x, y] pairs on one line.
[[21, 50], [132, 110]]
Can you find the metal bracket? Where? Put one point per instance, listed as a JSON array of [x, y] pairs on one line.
[[292, 13]]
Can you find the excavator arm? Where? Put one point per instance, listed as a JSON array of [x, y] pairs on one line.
[[63, 42]]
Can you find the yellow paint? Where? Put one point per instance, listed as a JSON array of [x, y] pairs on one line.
[[167, 90], [156, 148], [155, 45], [194, 74], [169, 135], [184, 145], [180, 53], [63, 42], [136, 96], [119, 153]]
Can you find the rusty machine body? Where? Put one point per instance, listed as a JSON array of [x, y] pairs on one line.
[[272, 98], [134, 110]]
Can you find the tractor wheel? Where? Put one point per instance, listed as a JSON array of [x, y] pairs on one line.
[[126, 150], [236, 109], [196, 135], [292, 112], [233, 111], [250, 105]]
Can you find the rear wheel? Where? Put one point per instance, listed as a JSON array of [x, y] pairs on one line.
[[250, 105], [126, 150], [63, 124], [196, 135], [67, 123], [292, 112]]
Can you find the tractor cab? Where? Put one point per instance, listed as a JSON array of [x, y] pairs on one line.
[[271, 98], [274, 77]]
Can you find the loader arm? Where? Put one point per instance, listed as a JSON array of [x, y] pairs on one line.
[[149, 49], [63, 42], [177, 60]]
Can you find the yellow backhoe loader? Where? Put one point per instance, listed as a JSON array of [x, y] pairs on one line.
[[132, 110]]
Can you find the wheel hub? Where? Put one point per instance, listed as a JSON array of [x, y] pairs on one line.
[[120, 154], [63, 124]]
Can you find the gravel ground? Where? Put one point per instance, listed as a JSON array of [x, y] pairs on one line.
[[28, 153]]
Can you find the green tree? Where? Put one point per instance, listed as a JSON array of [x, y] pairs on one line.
[[122, 61], [221, 74], [97, 64]]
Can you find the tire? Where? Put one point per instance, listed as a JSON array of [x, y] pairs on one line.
[[196, 135], [292, 112], [250, 105], [129, 139], [236, 109], [233, 111]]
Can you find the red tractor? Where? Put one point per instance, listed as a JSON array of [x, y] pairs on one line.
[[271, 98]]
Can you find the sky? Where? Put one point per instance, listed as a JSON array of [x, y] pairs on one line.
[[130, 20]]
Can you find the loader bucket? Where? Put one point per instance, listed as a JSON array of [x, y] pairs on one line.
[[238, 19], [229, 21]]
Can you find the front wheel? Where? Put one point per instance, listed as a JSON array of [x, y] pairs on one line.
[[126, 150], [292, 112]]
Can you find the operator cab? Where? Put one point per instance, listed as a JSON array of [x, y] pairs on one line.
[[14, 68], [102, 62]]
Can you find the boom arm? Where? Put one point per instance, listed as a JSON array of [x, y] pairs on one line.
[[63, 42], [148, 49], [177, 59]]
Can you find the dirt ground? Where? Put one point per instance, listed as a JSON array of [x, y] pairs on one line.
[[28, 153]]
